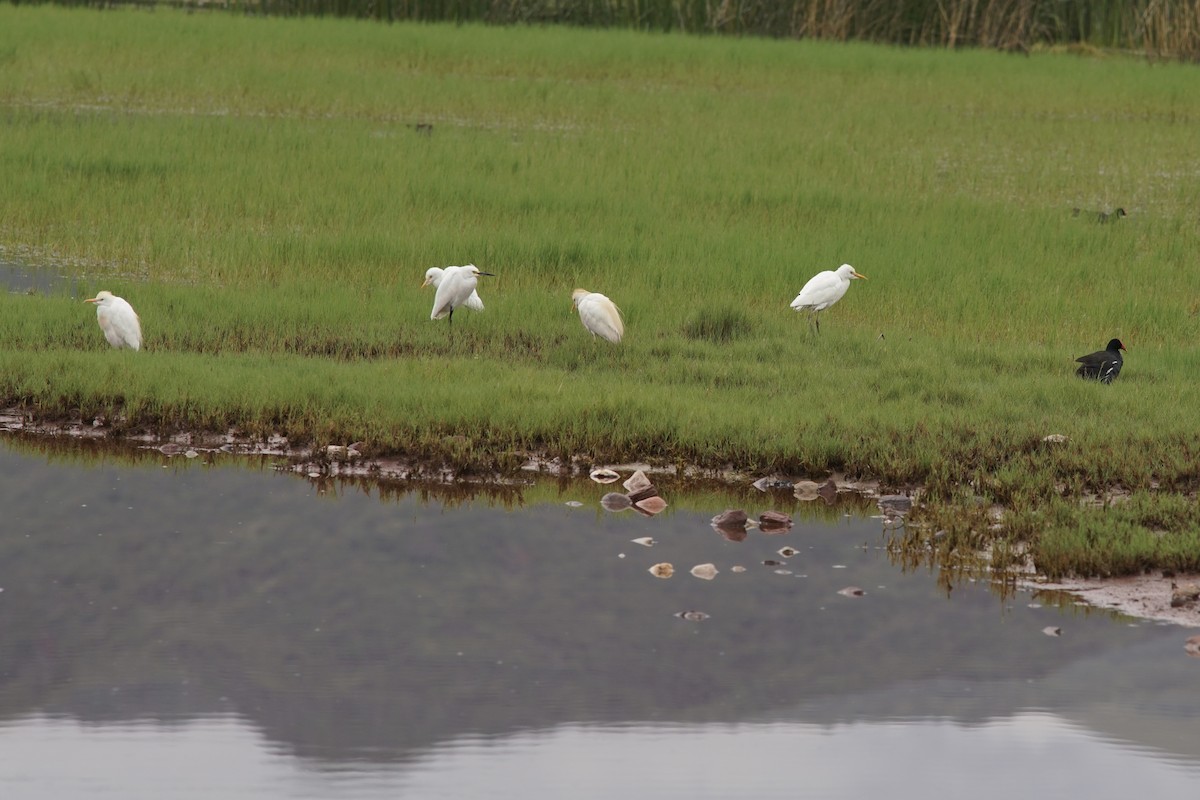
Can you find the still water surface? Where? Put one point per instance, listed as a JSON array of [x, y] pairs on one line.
[[177, 628]]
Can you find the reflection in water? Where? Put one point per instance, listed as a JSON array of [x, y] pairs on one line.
[[381, 642], [21, 279], [1028, 753]]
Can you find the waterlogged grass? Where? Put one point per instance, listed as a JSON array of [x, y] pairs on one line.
[[268, 194]]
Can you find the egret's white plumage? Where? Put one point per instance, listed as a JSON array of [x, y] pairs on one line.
[[454, 289], [824, 289], [434, 276], [118, 320], [599, 314]]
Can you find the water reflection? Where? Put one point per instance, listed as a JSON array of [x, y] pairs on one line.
[[25, 279], [1028, 753], [456, 648]]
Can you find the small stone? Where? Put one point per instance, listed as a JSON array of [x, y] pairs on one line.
[[615, 501], [643, 493], [651, 505], [705, 572], [730, 517], [663, 570], [774, 520], [636, 482], [851, 591], [806, 490], [604, 475], [1050, 630]]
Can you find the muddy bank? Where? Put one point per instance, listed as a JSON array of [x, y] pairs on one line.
[[1143, 596]]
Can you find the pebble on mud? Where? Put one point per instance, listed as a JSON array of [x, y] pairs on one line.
[[851, 591], [1050, 630], [705, 572], [663, 570]]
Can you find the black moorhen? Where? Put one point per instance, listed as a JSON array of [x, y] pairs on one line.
[[1103, 365]]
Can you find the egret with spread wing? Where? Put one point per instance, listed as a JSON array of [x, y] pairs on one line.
[[454, 289]]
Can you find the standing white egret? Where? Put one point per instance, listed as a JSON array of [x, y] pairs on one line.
[[824, 289], [598, 314], [118, 320], [455, 289], [434, 276]]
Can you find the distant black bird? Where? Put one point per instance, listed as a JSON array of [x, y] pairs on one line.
[[1103, 217], [1103, 365]]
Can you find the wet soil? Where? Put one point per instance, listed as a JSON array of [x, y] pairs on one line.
[[1142, 596]]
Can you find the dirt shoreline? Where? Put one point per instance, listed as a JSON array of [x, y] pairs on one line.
[[1142, 596]]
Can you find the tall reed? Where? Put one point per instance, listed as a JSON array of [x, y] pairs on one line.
[[1158, 28]]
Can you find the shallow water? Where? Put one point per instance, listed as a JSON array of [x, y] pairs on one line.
[[19, 278], [180, 628]]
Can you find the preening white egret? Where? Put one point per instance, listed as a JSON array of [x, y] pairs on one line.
[[824, 289], [598, 314], [118, 320], [454, 289], [433, 277], [1103, 365]]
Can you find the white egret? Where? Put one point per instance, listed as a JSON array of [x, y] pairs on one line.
[[434, 276], [824, 289], [118, 320], [455, 289], [598, 314]]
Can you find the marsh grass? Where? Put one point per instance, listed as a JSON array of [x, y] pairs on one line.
[[261, 192]]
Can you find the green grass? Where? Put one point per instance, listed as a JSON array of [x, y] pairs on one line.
[[258, 190]]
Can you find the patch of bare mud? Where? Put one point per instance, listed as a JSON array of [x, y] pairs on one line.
[[1144, 596]]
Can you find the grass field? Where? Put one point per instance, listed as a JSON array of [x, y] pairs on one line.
[[260, 191]]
